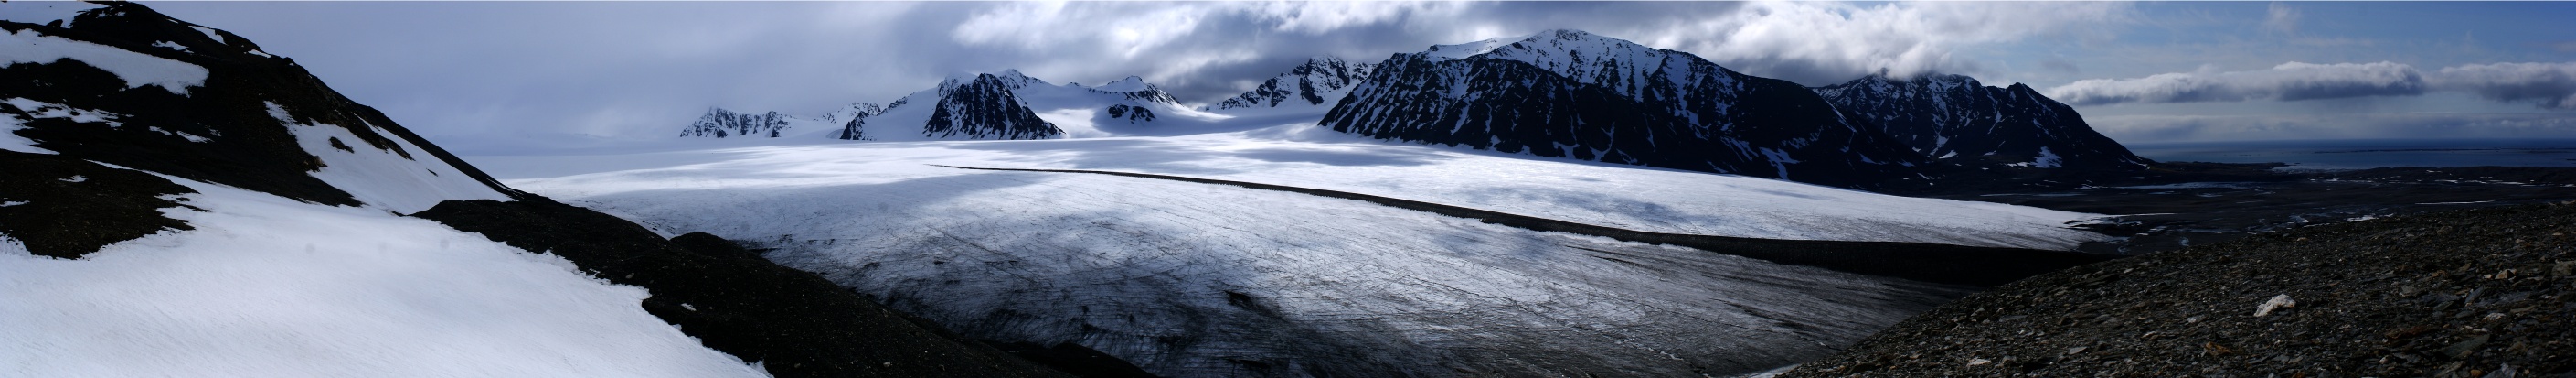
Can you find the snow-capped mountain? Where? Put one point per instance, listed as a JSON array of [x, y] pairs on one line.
[[1956, 118], [1320, 82], [1567, 93], [855, 128], [1124, 106], [721, 123], [176, 202], [982, 108], [1005, 105]]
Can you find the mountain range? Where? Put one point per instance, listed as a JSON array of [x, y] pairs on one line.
[[1565, 94]]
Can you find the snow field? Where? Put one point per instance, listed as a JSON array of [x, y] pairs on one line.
[[1636, 198], [1183, 278], [271, 287]]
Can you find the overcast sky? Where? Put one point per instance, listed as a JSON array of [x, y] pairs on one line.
[[489, 77]]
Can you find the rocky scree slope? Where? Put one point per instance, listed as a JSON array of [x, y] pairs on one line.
[[105, 111], [1956, 118], [2475, 293]]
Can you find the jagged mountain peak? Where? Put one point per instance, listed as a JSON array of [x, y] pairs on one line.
[[1902, 86], [1464, 50], [721, 123], [1009, 78], [1319, 82], [1129, 84], [1547, 43]]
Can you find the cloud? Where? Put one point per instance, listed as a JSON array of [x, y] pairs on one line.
[[2286, 82], [1823, 43], [2281, 19], [1212, 50], [2180, 128], [2551, 85]]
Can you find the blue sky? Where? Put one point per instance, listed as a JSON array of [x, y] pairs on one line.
[[487, 77]]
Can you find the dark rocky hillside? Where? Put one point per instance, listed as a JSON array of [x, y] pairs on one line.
[[1954, 118], [1614, 101], [2474, 293], [984, 108], [793, 322]]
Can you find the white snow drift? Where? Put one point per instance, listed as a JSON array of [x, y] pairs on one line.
[[137, 69], [267, 286]]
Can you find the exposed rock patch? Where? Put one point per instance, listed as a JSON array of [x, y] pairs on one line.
[[65, 207]]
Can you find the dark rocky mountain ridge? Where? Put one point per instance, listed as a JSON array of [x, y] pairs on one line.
[[1572, 94], [1954, 117], [984, 107]]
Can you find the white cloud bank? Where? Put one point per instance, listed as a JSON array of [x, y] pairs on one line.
[[2178, 128], [2552, 85], [2549, 85], [1821, 43], [1196, 47]]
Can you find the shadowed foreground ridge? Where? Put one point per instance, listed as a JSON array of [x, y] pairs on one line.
[[793, 322], [2459, 294]]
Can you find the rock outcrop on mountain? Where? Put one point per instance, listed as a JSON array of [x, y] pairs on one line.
[[1567, 93], [720, 123], [1954, 118], [855, 128], [984, 108], [1320, 82], [161, 176]]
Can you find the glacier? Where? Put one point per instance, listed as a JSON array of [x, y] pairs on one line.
[[1189, 279]]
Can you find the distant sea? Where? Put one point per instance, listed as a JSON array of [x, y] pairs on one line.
[[2374, 153]]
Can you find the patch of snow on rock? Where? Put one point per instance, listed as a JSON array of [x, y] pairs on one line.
[[137, 69]]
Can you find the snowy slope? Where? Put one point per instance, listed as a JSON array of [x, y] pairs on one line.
[[237, 279], [272, 287], [388, 178], [1189, 279]]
